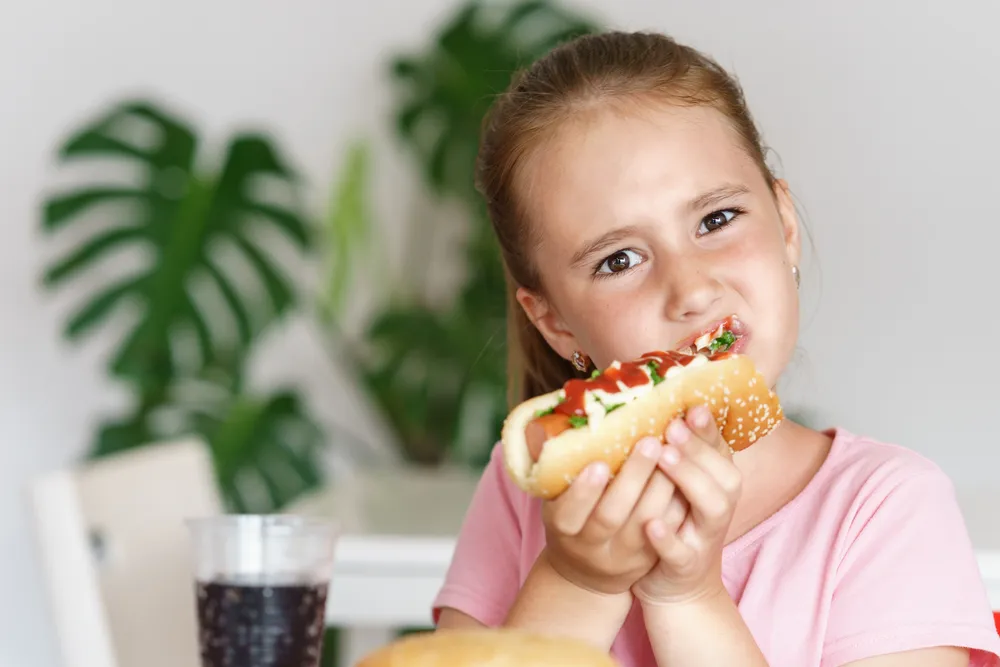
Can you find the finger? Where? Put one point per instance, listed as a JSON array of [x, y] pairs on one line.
[[625, 489], [701, 421], [703, 448], [655, 503], [668, 545], [677, 512], [569, 512], [711, 505], [657, 497]]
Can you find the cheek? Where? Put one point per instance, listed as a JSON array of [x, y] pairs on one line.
[[765, 284], [759, 265], [611, 325]]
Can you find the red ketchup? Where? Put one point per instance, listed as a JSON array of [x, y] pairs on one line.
[[630, 374]]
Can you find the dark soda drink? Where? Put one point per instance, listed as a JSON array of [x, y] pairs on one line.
[[255, 624]]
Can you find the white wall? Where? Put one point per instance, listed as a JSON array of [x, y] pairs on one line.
[[883, 114]]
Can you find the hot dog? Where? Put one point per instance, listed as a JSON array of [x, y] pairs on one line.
[[549, 439]]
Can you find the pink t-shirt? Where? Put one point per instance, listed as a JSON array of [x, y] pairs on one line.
[[872, 557]]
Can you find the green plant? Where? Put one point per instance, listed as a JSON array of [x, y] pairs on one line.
[[438, 374], [182, 356], [347, 230], [446, 90]]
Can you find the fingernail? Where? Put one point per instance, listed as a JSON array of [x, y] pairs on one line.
[[649, 447], [700, 417], [670, 455], [656, 529], [678, 432]]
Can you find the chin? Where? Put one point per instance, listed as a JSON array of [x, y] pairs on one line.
[[771, 366]]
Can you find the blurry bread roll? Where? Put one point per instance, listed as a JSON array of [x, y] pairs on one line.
[[486, 647]]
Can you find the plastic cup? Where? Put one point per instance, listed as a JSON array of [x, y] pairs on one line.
[[261, 584]]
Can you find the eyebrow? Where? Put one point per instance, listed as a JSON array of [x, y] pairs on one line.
[[601, 242], [717, 195], [701, 202]]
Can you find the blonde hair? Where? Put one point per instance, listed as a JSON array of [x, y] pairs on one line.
[[612, 69]]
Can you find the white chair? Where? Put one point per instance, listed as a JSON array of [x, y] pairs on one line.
[[116, 554]]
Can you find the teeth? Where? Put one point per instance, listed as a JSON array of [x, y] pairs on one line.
[[703, 341]]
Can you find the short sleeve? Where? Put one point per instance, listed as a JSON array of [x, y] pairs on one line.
[[909, 579], [484, 576]]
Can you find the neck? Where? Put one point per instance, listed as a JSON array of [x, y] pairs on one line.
[[787, 439], [775, 469]]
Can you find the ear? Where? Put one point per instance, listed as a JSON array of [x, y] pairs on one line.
[[789, 221], [548, 322]]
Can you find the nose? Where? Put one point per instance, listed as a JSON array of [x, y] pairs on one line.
[[690, 287]]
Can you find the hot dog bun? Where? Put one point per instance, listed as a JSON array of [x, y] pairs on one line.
[[486, 648], [744, 407]]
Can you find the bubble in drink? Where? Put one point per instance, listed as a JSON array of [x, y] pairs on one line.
[[253, 624]]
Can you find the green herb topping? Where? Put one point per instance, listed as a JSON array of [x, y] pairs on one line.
[[723, 342], [654, 371], [576, 421]]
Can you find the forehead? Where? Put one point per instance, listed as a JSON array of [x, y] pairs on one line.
[[614, 169]]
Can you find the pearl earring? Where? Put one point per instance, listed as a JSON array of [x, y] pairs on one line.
[[580, 361], [795, 274]]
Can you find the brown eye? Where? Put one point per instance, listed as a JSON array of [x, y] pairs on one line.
[[620, 261], [717, 220]]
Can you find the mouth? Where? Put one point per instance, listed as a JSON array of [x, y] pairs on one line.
[[727, 335]]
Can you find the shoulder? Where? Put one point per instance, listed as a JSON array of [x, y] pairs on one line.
[[901, 564], [865, 470], [865, 455], [497, 492], [867, 493], [888, 497]]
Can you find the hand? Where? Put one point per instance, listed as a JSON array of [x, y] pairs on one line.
[[594, 530], [689, 547]]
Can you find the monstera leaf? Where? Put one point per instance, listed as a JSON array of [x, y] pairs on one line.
[[439, 382], [447, 90], [200, 232], [182, 218], [266, 448], [439, 375]]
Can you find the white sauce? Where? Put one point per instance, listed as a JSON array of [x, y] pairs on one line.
[[596, 401]]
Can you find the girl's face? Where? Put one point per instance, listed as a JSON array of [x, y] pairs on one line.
[[654, 227]]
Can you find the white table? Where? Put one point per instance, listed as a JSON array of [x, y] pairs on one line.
[[399, 529]]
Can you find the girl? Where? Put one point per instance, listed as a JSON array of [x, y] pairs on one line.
[[628, 188]]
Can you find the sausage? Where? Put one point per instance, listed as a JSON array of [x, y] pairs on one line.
[[540, 429]]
